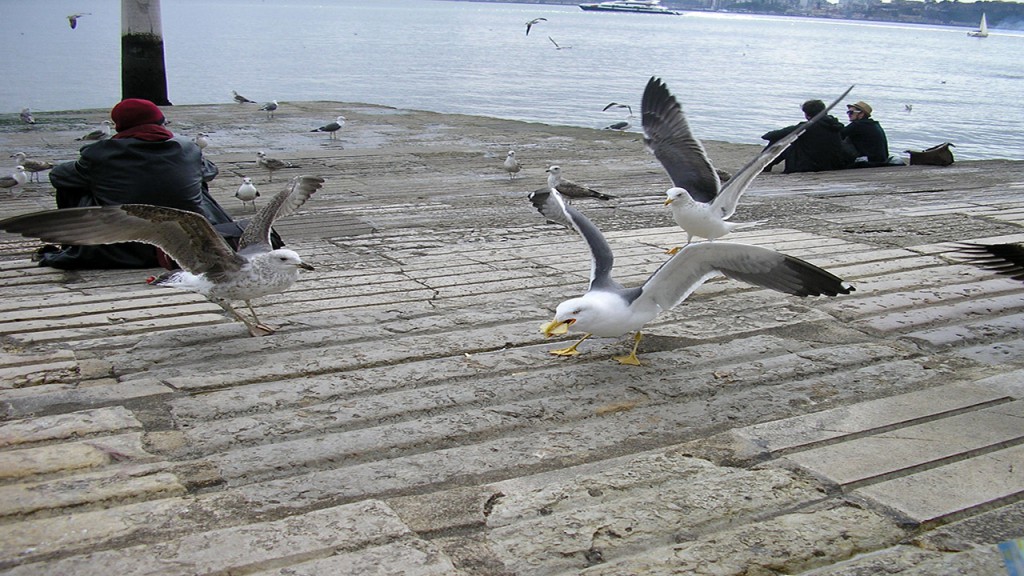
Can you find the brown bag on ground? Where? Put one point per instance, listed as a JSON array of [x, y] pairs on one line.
[[939, 155]]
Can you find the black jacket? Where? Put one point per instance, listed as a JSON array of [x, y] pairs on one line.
[[819, 148], [867, 136]]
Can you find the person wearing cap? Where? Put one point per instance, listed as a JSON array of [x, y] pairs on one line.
[[819, 148], [866, 135], [143, 163]]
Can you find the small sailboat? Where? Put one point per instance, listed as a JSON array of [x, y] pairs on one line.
[[982, 31]]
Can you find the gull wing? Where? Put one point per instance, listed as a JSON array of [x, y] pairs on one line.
[[284, 203], [1005, 259], [185, 236], [725, 203], [556, 208], [697, 263], [667, 134]]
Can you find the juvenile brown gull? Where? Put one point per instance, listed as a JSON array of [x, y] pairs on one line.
[[571, 189], [272, 164], [608, 309], [210, 266], [31, 165], [242, 99]]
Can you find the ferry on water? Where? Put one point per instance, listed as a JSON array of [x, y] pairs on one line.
[[638, 6]]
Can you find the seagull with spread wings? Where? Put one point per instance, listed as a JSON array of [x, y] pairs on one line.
[[210, 266], [608, 309]]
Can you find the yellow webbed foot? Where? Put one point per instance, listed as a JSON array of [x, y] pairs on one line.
[[630, 360], [571, 350]]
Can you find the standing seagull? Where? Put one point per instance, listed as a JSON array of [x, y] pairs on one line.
[[73, 18], [700, 205], [269, 108], [100, 133], [623, 125], [210, 266], [331, 127], [272, 164], [532, 22], [608, 309], [571, 189], [17, 178], [247, 192], [202, 140], [26, 116], [31, 165], [242, 99], [511, 165]]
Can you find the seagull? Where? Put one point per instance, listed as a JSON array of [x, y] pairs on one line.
[[532, 22], [617, 105], [700, 204], [908, 107], [101, 133], [17, 178], [247, 192], [73, 18], [331, 127], [242, 99], [202, 140], [571, 189], [272, 164], [269, 108], [619, 126], [511, 165], [210, 266], [31, 165], [608, 309], [557, 47], [26, 116], [1005, 259]]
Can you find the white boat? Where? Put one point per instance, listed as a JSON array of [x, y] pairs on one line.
[[638, 6], [982, 31]]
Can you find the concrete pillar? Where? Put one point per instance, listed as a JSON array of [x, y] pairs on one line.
[[143, 74]]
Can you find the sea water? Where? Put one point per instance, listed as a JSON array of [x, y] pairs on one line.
[[736, 76]]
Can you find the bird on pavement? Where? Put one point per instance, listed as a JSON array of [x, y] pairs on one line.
[[15, 179], [209, 265], [100, 133], [242, 99], [202, 140], [571, 189], [272, 164], [269, 108], [511, 165], [26, 116], [31, 165], [331, 128], [247, 192]]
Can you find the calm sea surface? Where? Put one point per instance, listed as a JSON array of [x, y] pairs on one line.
[[736, 76]]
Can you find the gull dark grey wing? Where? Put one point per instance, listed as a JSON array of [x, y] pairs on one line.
[[284, 203], [554, 207], [1005, 259]]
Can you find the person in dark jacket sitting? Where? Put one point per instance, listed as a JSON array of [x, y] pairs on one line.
[[866, 135], [819, 148], [144, 163]]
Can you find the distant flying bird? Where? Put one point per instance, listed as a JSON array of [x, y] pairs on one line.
[[617, 105], [557, 47], [700, 204], [511, 165], [247, 192], [532, 22], [26, 116], [31, 165], [242, 99], [73, 18], [331, 127], [100, 133], [210, 266], [569, 188], [269, 108], [908, 107], [202, 140], [1005, 259], [17, 178], [272, 164]]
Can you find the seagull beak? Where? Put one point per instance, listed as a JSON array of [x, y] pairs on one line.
[[668, 201], [305, 266], [556, 328]]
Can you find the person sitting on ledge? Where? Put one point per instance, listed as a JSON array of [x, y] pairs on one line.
[[866, 136], [819, 148], [143, 163]]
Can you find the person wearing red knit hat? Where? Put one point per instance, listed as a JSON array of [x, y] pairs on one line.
[[143, 163]]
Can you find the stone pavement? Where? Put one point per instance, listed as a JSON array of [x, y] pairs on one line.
[[406, 418]]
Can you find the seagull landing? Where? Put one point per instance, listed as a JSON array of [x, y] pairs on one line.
[[101, 133], [531, 24], [242, 99], [31, 165], [511, 165], [210, 266], [571, 189], [700, 205], [608, 309], [272, 164], [247, 192], [331, 127], [269, 108]]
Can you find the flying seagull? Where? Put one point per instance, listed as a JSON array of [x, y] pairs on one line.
[[608, 309], [617, 105], [511, 165], [1005, 259], [31, 165], [242, 99], [269, 108], [26, 116], [73, 18], [331, 127], [571, 189], [15, 179], [272, 164], [532, 22], [699, 203], [557, 47], [247, 192], [100, 133], [210, 266]]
